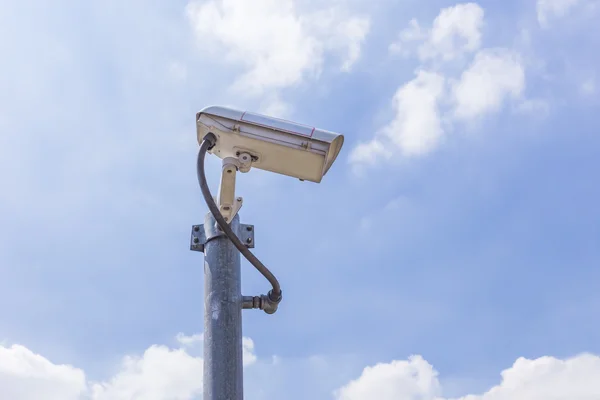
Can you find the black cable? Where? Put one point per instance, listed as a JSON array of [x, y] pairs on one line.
[[208, 143]]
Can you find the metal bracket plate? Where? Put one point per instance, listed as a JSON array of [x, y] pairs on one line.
[[199, 239]]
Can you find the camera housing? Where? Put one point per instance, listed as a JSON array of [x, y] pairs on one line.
[[274, 144]]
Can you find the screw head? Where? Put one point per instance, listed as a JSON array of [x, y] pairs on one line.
[[249, 240], [249, 228], [239, 199], [196, 240], [196, 228]]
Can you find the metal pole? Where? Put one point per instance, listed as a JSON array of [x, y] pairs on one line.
[[223, 367]]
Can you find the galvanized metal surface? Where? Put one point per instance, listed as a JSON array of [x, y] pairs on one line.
[[223, 371]]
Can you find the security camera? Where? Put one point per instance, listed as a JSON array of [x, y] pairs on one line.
[[271, 144]]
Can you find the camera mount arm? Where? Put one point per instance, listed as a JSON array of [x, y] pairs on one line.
[[270, 301], [229, 204]]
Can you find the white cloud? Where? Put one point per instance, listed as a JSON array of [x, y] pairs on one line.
[[249, 357], [540, 379], [548, 378], [161, 373], [412, 379], [277, 44], [455, 31], [494, 75], [416, 127], [339, 32], [414, 33], [553, 9], [353, 32], [189, 341], [25, 375], [274, 106], [433, 101], [368, 153]]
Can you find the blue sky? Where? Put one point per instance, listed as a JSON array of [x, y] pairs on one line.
[[456, 236]]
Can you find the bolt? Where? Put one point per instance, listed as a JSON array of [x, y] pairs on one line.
[[239, 199], [249, 228], [249, 240], [196, 240], [226, 219], [196, 228]]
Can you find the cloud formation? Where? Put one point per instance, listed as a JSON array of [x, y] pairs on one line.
[[454, 32], [548, 10], [163, 373], [494, 76], [26, 375], [412, 379], [276, 43], [416, 127], [540, 379], [160, 373], [436, 99]]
